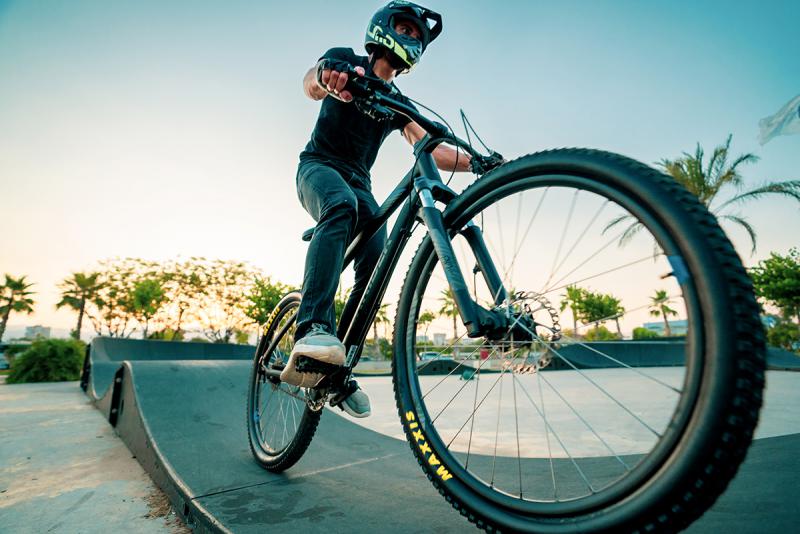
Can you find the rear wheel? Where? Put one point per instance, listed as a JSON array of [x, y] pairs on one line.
[[280, 423], [562, 425]]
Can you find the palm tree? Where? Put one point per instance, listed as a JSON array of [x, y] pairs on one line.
[[380, 318], [14, 296], [618, 310], [573, 299], [659, 307], [425, 319], [706, 182], [449, 307], [76, 291]]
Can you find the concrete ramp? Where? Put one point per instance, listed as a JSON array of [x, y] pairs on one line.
[[782, 360], [184, 420]]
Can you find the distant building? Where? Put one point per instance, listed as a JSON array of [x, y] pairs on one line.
[[439, 339], [677, 328], [423, 339], [32, 332]]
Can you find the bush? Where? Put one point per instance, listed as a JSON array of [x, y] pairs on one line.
[[49, 360], [785, 335], [167, 334], [12, 351], [601, 333], [644, 333]]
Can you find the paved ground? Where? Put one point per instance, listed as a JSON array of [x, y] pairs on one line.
[[779, 416], [62, 468]]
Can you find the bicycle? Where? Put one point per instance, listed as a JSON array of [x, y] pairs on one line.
[[510, 444]]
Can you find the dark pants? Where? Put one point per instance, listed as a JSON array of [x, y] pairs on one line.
[[341, 206]]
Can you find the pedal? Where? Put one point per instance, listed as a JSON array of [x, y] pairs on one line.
[[339, 397], [304, 364]]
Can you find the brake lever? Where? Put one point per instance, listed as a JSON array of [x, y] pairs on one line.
[[483, 164], [373, 110]]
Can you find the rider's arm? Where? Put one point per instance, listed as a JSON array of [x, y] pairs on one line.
[[446, 158]]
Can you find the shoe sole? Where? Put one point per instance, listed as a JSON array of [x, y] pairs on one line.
[[329, 355], [349, 411], [332, 355]]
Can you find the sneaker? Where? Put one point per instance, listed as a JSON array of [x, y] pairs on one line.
[[318, 344], [357, 404]]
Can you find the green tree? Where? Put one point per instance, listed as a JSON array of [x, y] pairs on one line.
[[339, 301], [382, 317], [15, 296], [659, 307], [449, 308], [263, 297], [573, 299], [708, 181], [777, 281], [112, 310], [599, 308], [145, 300], [221, 309], [185, 285], [76, 291]]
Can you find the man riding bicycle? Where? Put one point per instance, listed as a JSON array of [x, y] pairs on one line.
[[333, 180]]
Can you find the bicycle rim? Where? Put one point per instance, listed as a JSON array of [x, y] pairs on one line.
[[280, 423]]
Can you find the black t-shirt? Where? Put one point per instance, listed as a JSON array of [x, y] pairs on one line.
[[345, 137]]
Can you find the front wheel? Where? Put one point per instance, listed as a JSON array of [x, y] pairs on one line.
[[625, 394], [280, 420]]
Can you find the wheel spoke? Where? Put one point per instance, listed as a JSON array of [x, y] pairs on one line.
[[589, 379], [471, 415], [620, 363], [547, 436], [584, 262], [555, 435], [472, 423], [598, 275], [563, 235], [516, 429], [497, 432], [460, 363], [579, 416], [581, 236]]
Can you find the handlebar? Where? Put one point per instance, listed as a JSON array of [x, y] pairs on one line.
[[377, 99]]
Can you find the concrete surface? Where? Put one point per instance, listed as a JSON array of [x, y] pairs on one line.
[[62, 468]]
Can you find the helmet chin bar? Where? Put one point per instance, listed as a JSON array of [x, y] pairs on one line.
[[396, 63]]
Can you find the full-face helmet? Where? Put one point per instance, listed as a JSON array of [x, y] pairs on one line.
[[404, 51]]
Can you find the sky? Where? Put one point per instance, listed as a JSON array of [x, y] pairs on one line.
[[172, 129]]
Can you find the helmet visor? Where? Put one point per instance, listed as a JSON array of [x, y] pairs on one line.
[[429, 22]]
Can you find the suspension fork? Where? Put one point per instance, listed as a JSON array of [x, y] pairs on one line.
[[472, 233], [476, 319]]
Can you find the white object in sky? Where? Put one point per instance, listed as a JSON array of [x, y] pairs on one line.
[[786, 121]]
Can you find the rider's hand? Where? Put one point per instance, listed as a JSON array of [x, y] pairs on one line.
[[334, 81]]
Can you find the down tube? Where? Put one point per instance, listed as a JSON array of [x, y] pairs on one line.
[[376, 287]]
